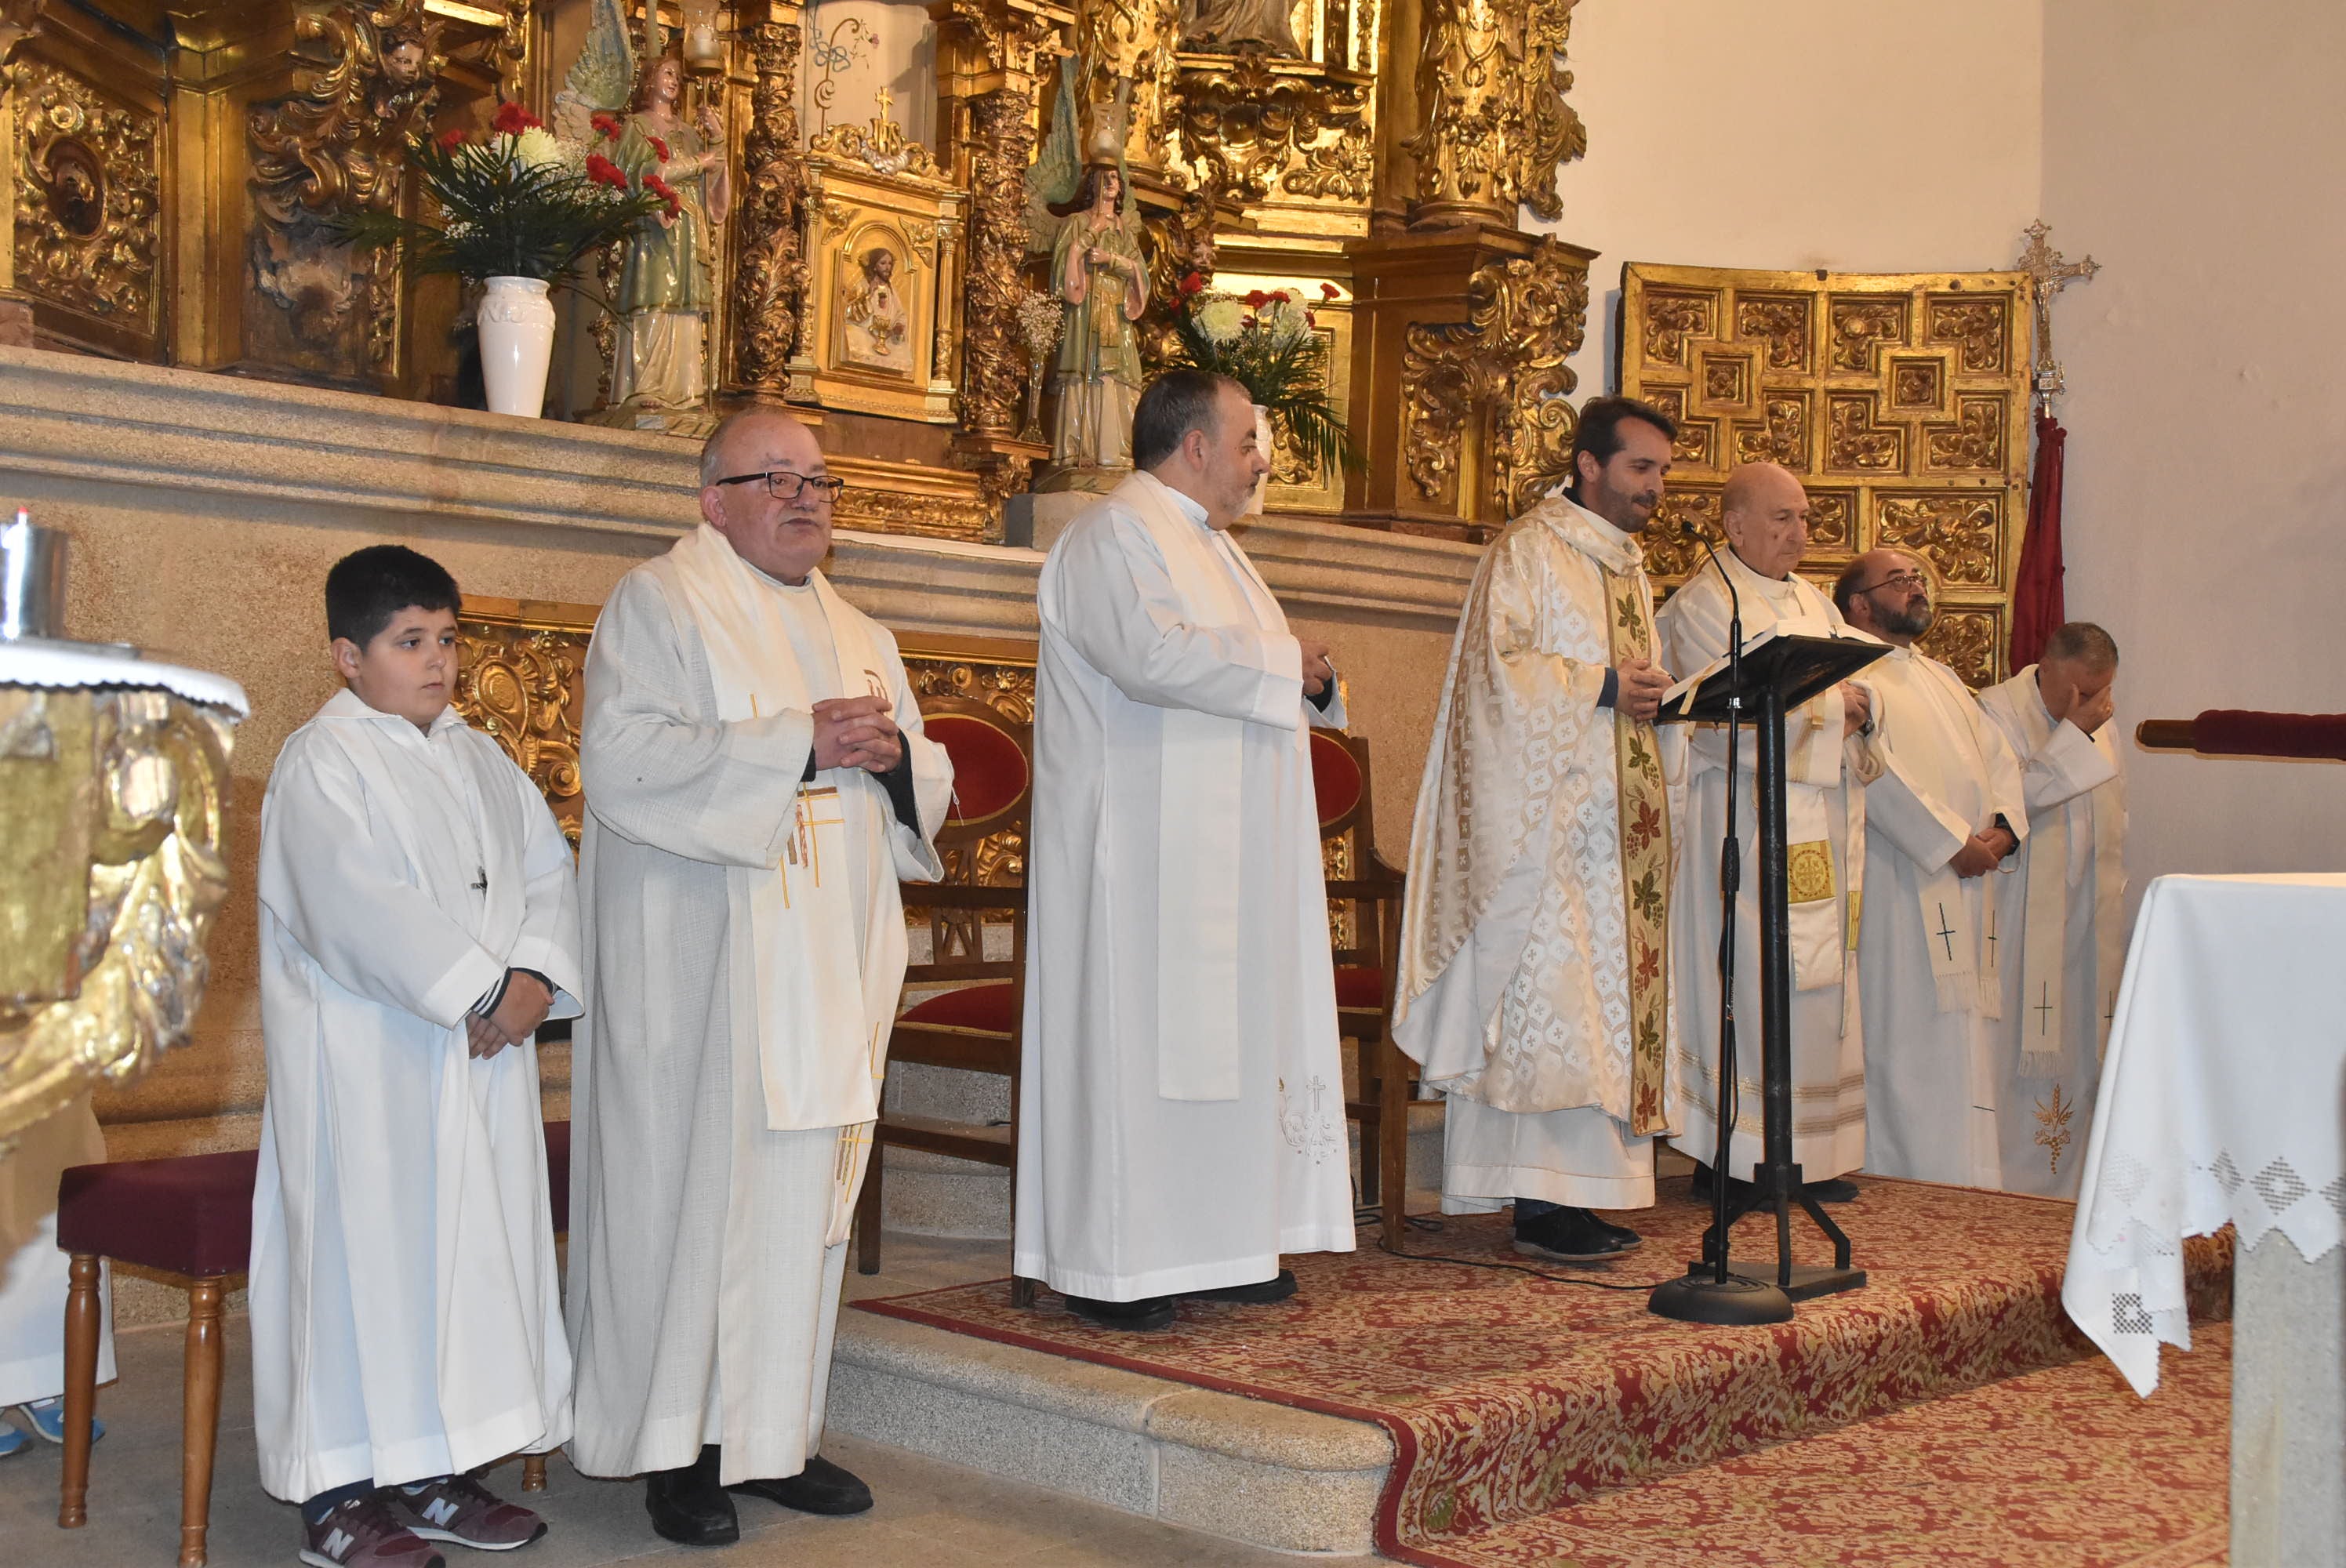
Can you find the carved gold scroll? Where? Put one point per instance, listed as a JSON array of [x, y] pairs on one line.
[[1900, 399]]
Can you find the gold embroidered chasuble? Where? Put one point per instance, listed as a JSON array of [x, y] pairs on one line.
[[1543, 836]]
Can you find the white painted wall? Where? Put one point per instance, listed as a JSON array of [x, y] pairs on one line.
[[2200, 153], [1882, 135]]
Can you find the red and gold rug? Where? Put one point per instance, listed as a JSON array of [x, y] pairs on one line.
[[1509, 1396]]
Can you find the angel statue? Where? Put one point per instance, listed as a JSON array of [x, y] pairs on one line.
[[659, 376]]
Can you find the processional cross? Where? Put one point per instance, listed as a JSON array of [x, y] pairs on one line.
[[2052, 272]]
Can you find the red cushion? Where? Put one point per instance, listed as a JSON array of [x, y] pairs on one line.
[[189, 1215], [1335, 777], [989, 770], [1360, 986], [971, 1007]]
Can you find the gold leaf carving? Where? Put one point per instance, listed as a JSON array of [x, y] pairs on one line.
[[1669, 551], [1915, 384], [1861, 327], [1782, 437], [1490, 81], [1001, 145], [1852, 441], [1978, 327], [1833, 515], [1248, 130], [770, 280], [1958, 532], [1780, 321], [522, 685], [1723, 379], [1671, 320], [1966, 640], [1974, 441], [88, 199]]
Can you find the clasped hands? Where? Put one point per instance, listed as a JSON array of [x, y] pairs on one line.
[[857, 732], [1317, 669], [1982, 853], [514, 1019], [1638, 687]]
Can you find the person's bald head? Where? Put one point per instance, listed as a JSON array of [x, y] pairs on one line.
[[1765, 513], [784, 537]]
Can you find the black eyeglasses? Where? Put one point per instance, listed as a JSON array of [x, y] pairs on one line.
[[1898, 580], [783, 484]]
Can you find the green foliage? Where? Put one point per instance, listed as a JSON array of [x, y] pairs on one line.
[[504, 217], [1284, 370]]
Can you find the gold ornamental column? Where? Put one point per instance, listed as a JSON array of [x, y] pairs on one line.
[[769, 274], [1464, 322]]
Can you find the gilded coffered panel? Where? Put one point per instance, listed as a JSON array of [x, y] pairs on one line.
[[1899, 399], [89, 206]]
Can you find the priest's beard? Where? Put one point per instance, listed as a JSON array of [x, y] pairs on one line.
[[1909, 621]]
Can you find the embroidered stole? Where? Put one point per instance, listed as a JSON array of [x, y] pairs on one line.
[[1645, 825]]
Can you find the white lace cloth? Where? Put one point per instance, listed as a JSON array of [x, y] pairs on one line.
[[2223, 1098], [35, 662]]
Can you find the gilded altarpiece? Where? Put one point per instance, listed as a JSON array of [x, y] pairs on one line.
[[1900, 399]]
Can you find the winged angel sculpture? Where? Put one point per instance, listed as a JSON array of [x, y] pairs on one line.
[[1079, 210], [632, 111]]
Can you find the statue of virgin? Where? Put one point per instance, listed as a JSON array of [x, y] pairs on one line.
[[1098, 268], [659, 375]]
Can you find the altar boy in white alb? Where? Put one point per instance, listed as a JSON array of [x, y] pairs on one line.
[[418, 921], [1943, 809], [1183, 1099], [757, 782], [2062, 906]]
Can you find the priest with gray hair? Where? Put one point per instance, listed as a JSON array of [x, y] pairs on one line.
[[1182, 1099]]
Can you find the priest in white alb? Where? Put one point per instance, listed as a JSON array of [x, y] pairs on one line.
[[2062, 905], [1764, 514], [1182, 1096], [1535, 946], [1943, 809], [756, 782]]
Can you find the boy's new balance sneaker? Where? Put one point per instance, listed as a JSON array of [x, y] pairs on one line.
[[459, 1509], [364, 1534]]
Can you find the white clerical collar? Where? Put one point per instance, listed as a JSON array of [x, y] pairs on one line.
[[348, 704], [1189, 506], [1605, 531], [775, 582]]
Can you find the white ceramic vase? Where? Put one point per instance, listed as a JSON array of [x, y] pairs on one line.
[[517, 325], [1262, 442]]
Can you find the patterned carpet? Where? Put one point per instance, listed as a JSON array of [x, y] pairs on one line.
[[1510, 1396]]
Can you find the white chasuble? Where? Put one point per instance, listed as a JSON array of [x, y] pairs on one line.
[[1824, 814], [746, 939], [1930, 947], [2062, 906], [406, 1319], [1182, 1101], [1534, 956], [33, 1275]]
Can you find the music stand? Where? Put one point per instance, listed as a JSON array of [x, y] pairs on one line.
[[1777, 674]]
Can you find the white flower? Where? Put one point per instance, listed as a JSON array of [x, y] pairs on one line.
[[1221, 317], [538, 148]]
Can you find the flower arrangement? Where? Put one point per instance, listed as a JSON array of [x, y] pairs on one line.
[[1270, 343], [518, 202]]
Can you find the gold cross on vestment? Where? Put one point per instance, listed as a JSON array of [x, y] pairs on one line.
[[2051, 272]]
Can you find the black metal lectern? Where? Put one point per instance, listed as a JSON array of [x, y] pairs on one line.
[[1770, 678]]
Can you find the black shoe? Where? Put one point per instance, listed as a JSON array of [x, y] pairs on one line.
[[1833, 1189], [1277, 1289], [689, 1507], [1148, 1312], [1738, 1189], [1629, 1239], [820, 1488], [1573, 1236]]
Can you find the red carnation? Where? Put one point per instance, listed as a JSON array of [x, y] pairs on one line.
[[1329, 291], [450, 140], [512, 119], [658, 148], [660, 187], [1193, 283], [602, 171], [609, 124], [1257, 299], [1284, 298]]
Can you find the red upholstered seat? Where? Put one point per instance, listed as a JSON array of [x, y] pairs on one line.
[[990, 773], [1335, 777], [189, 1215], [971, 1007], [1360, 986]]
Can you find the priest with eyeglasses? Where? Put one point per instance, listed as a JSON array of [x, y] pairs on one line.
[[756, 783]]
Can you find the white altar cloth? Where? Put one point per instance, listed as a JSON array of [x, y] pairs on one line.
[[2223, 1098]]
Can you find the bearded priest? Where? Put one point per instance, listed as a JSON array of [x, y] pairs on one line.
[[1534, 963], [1181, 1092], [2062, 906], [1943, 809], [1764, 513]]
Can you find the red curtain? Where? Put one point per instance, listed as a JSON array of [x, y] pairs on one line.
[[2037, 607]]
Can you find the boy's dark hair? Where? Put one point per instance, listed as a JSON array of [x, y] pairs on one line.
[[1170, 407], [1599, 432], [367, 587]]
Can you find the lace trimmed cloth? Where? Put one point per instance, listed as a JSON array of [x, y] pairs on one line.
[[2223, 1100]]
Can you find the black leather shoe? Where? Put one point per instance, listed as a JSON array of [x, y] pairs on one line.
[[689, 1507], [1573, 1236], [820, 1488], [1277, 1289], [1831, 1190], [1148, 1312], [1630, 1240]]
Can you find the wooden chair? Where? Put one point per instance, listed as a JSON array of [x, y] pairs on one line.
[[189, 1216], [1366, 954], [975, 1025]]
